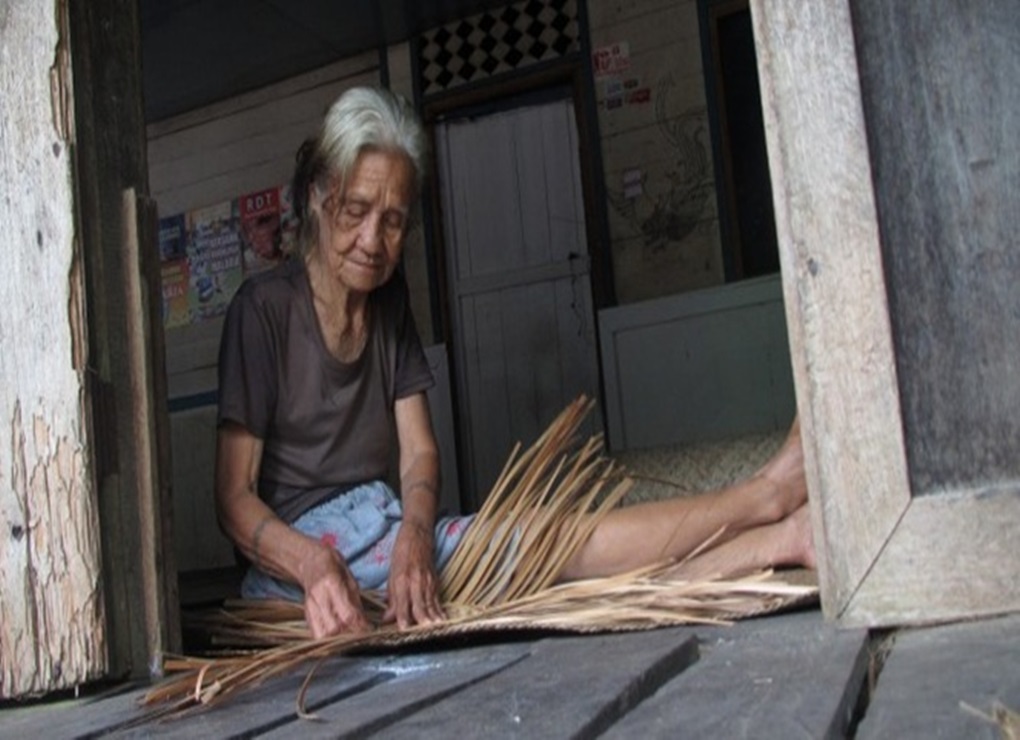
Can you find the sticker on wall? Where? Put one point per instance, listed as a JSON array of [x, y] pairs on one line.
[[635, 93], [633, 184], [641, 96], [618, 92], [611, 59], [205, 254], [613, 92]]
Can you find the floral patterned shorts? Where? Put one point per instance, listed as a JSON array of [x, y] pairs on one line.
[[362, 526]]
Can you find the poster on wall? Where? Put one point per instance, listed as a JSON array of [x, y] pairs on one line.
[[173, 240], [261, 230], [288, 221], [176, 309], [214, 259], [206, 253]]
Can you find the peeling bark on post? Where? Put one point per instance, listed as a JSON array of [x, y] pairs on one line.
[[52, 625]]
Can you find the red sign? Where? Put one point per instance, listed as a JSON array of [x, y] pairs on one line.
[[611, 59]]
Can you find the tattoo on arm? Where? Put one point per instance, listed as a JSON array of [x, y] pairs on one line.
[[256, 538], [421, 483]]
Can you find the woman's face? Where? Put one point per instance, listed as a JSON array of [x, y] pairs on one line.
[[362, 228]]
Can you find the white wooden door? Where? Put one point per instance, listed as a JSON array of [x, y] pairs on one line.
[[518, 276]]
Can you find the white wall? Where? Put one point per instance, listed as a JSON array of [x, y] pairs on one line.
[[653, 123]]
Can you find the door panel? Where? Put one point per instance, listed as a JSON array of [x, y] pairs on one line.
[[524, 337]]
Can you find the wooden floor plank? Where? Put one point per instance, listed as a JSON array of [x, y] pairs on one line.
[[785, 677], [931, 670], [415, 682], [566, 687], [72, 718], [262, 707], [274, 704]]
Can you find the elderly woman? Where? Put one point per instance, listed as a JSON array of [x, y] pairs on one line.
[[323, 379]]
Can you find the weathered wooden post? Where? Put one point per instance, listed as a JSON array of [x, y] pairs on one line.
[[88, 584], [52, 625], [892, 131]]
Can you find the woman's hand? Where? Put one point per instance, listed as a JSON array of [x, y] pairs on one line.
[[332, 598], [413, 588]]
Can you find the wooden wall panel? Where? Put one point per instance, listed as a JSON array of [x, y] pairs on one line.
[[246, 143]]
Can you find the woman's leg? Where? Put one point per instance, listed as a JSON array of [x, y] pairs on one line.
[[787, 542], [643, 534]]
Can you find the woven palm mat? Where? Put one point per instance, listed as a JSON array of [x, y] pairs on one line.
[[691, 467], [619, 604], [628, 603]]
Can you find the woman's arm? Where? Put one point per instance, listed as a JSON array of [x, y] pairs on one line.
[[332, 600], [413, 584]]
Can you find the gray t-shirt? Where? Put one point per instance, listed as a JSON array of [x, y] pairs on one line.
[[325, 424]]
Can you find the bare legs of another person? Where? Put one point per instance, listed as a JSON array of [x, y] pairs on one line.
[[764, 522]]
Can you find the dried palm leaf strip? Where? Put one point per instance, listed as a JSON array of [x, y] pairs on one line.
[[536, 518], [474, 567]]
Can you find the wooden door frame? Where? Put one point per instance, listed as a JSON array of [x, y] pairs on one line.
[[886, 555], [710, 11], [126, 372], [710, 14], [568, 73]]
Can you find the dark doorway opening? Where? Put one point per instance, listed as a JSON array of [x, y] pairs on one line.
[[747, 221]]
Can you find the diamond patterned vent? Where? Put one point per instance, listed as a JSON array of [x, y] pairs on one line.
[[496, 42]]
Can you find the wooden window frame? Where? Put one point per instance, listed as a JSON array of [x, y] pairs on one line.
[[886, 556]]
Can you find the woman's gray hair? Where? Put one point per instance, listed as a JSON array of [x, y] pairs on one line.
[[361, 119]]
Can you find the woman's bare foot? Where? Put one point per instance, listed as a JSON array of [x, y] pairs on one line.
[[799, 540], [784, 473], [787, 543]]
